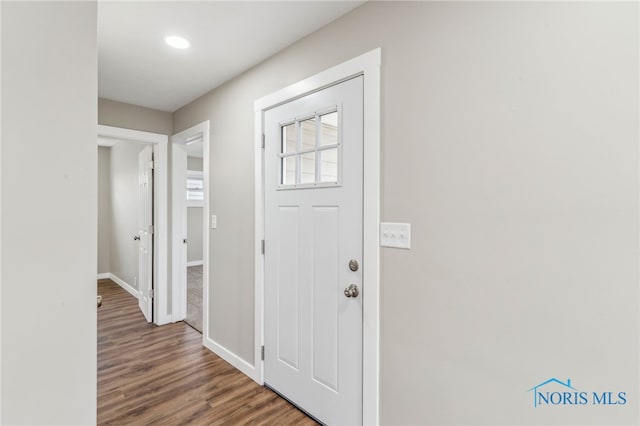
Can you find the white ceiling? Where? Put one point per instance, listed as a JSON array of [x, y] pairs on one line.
[[227, 38]]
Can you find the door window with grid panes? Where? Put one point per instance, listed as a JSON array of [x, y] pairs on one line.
[[310, 151]]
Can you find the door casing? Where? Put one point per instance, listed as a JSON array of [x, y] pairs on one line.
[[160, 244], [367, 65]]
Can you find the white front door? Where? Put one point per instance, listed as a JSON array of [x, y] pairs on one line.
[[313, 252], [145, 232]]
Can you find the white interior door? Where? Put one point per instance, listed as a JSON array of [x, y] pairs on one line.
[[313, 252], [179, 220], [145, 232]]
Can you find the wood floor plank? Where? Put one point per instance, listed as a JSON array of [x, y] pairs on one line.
[[149, 375]]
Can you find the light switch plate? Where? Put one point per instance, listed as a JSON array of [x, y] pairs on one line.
[[214, 221], [397, 235]]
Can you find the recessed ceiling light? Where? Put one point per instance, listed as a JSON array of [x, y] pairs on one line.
[[177, 42]]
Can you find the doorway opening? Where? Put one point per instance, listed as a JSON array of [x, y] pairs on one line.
[[144, 163], [190, 220], [195, 247]]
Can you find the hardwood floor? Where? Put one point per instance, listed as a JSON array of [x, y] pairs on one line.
[[149, 375]]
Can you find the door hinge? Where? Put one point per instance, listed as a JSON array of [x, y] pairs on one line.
[[263, 141], [151, 165], [262, 353], [150, 229], [151, 293], [262, 246]]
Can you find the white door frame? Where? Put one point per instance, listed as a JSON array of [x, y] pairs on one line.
[[367, 65], [179, 294], [160, 252]]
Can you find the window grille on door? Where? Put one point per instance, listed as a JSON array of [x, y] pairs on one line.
[[310, 151]]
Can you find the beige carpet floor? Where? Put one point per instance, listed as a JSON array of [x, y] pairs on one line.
[[194, 297]]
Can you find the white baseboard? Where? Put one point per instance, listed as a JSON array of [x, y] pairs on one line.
[[233, 359], [103, 276], [124, 285], [195, 263]]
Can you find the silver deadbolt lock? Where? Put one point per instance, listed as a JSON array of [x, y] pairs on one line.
[[351, 291], [353, 265]]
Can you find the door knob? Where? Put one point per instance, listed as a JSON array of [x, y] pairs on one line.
[[136, 237], [351, 291]]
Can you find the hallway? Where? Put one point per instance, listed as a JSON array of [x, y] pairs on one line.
[[163, 375]]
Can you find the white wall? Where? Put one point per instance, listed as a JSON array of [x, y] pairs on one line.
[[104, 210], [1, 135], [124, 211], [510, 143], [194, 220], [194, 163], [49, 86], [194, 234]]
